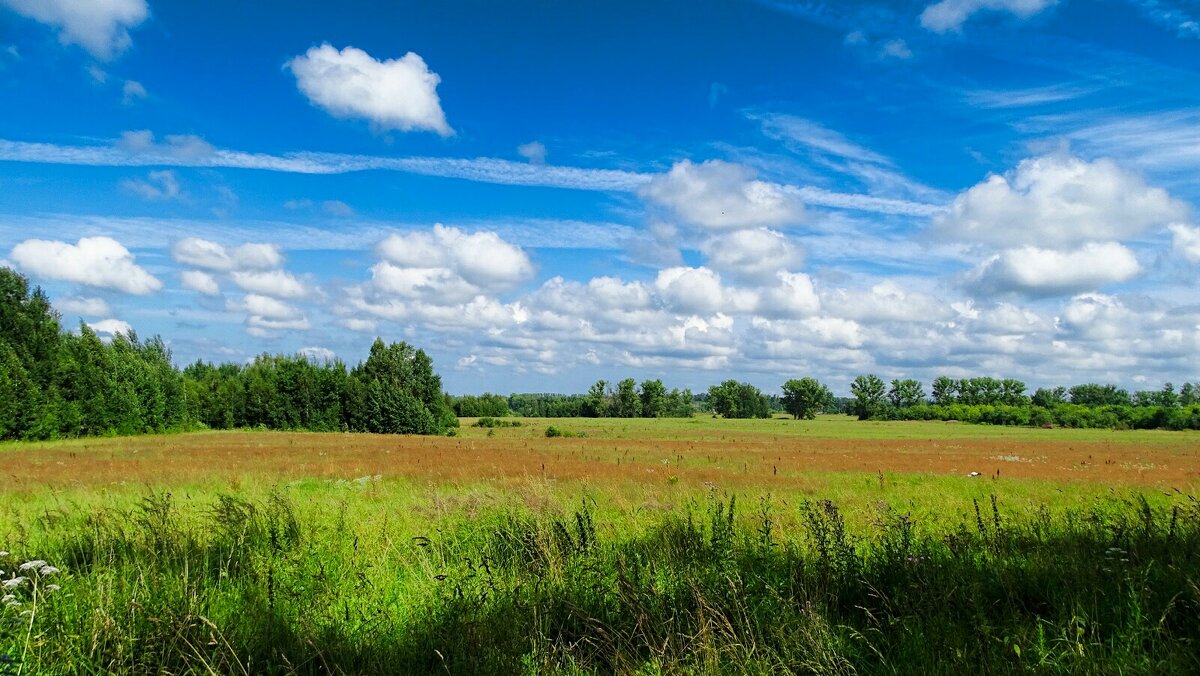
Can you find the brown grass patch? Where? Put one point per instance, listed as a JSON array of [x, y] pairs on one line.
[[745, 459]]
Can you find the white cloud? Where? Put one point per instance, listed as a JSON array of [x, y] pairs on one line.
[[277, 283], [884, 301], [202, 253], [317, 354], [482, 259], [723, 196], [950, 15], [795, 296], [111, 327], [1047, 272], [396, 94], [265, 307], [139, 149], [87, 307], [896, 48], [1187, 241], [688, 290], [99, 26], [337, 208], [1055, 201], [132, 91], [94, 261], [756, 254], [534, 151], [201, 282], [159, 185], [180, 147], [358, 324]]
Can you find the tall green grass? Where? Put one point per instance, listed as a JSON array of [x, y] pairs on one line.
[[284, 584]]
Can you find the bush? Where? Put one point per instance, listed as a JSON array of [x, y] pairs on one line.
[[495, 422]]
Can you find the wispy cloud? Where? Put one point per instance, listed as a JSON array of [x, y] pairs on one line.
[[153, 233], [138, 149], [1033, 96], [1165, 143], [1166, 14], [831, 149], [481, 169]]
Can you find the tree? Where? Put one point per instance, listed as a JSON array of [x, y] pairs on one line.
[[944, 390], [868, 391], [404, 395], [1189, 394], [626, 403], [1093, 394], [654, 398], [906, 393], [1049, 398], [596, 404], [732, 399], [803, 398]]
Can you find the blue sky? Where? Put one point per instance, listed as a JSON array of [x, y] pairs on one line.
[[542, 194]]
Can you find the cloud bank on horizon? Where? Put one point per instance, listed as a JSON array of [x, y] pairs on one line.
[[909, 195]]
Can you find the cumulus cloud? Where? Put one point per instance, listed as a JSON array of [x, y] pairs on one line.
[[794, 296], [208, 255], [481, 259], [1047, 272], [756, 254], [398, 94], [950, 15], [158, 185], [99, 26], [534, 151], [111, 327], [87, 307], [277, 283], [723, 196], [266, 315], [132, 91], [896, 48], [200, 282], [317, 354], [885, 301], [699, 291], [1187, 241], [1056, 201], [95, 261]]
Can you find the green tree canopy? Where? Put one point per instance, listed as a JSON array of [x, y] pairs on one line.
[[805, 397]]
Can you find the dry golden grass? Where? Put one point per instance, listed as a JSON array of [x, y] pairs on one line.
[[727, 455]]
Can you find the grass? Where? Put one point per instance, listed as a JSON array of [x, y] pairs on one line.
[[266, 569]]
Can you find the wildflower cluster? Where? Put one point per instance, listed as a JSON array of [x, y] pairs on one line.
[[24, 588]]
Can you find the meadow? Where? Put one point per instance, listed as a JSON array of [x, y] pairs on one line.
[[630, 546]]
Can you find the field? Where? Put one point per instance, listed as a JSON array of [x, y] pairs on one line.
[[653, 546]]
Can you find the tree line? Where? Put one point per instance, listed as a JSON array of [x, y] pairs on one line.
[[56, 384], [1005, 402]]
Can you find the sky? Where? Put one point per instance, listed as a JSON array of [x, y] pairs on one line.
[[541, 194]]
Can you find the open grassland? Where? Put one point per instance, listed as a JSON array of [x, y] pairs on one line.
[[652, 546]]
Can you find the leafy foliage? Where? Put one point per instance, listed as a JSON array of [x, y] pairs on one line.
[[805, 397]]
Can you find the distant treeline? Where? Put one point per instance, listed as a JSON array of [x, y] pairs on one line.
[[1004, 402], [56, 384], [628, 399]]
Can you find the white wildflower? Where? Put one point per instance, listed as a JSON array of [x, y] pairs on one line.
[[3, 554], [30, 565], [52, 587], [8, 597], [47, 570], [14, 582]]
